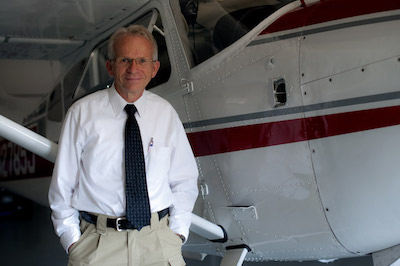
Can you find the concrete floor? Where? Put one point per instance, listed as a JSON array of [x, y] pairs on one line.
[[32, 242]]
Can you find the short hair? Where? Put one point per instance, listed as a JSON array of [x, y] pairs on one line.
[[132, 30]]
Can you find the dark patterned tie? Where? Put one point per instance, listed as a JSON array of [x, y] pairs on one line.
[[137, 198]]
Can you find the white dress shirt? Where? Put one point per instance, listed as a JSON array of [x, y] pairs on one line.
[[89, 173]]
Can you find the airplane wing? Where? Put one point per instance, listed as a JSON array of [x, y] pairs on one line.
[[46, 30]]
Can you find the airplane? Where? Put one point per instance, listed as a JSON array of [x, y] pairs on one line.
[[292, 109]]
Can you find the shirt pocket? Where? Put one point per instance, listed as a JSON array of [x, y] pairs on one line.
[[159, 162]]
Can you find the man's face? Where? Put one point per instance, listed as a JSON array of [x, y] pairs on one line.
[[131, 79]]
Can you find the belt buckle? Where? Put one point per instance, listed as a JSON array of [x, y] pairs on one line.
[[117, 224]]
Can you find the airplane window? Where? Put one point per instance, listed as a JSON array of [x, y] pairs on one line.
[[71, 81], [211, 26], [55, 112], [95, 75], [40, 110], [95, 72], [165, 66]]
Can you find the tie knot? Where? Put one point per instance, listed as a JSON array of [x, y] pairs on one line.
[[130, 109]]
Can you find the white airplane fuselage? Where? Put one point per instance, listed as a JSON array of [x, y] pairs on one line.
[[295, 128]]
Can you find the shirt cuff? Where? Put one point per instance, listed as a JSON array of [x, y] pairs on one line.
[[69, 237], [180, 224]]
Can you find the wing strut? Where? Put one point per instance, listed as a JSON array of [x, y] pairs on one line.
[[207, 229], [28, 139]]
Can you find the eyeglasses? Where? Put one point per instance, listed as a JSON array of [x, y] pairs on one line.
[[126, 61]]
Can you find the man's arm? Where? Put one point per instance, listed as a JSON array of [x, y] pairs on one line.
[[64, 181], [183, 182]]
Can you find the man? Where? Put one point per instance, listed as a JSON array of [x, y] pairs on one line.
[[125, 180]]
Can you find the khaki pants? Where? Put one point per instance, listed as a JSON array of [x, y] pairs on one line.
[[155, 245]]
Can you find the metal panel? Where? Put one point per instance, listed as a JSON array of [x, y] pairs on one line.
[[361, 202], [328, 53], [357, 173]]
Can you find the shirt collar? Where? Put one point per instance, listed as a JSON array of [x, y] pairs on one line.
[[118, 103]]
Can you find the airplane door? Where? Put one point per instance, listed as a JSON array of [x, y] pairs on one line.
[[247, 129]]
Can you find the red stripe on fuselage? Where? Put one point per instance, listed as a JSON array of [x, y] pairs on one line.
[[275, 133], [290, 131], [329, 10]]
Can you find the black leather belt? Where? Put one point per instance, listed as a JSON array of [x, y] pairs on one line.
[[119, 223]]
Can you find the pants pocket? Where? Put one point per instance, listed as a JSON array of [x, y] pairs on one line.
[[171, 246], [84, 250]]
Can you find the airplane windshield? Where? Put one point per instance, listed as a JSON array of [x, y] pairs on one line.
[[210, 26], [96, 77]]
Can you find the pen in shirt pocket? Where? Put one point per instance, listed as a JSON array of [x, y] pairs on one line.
[[150, 144]]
